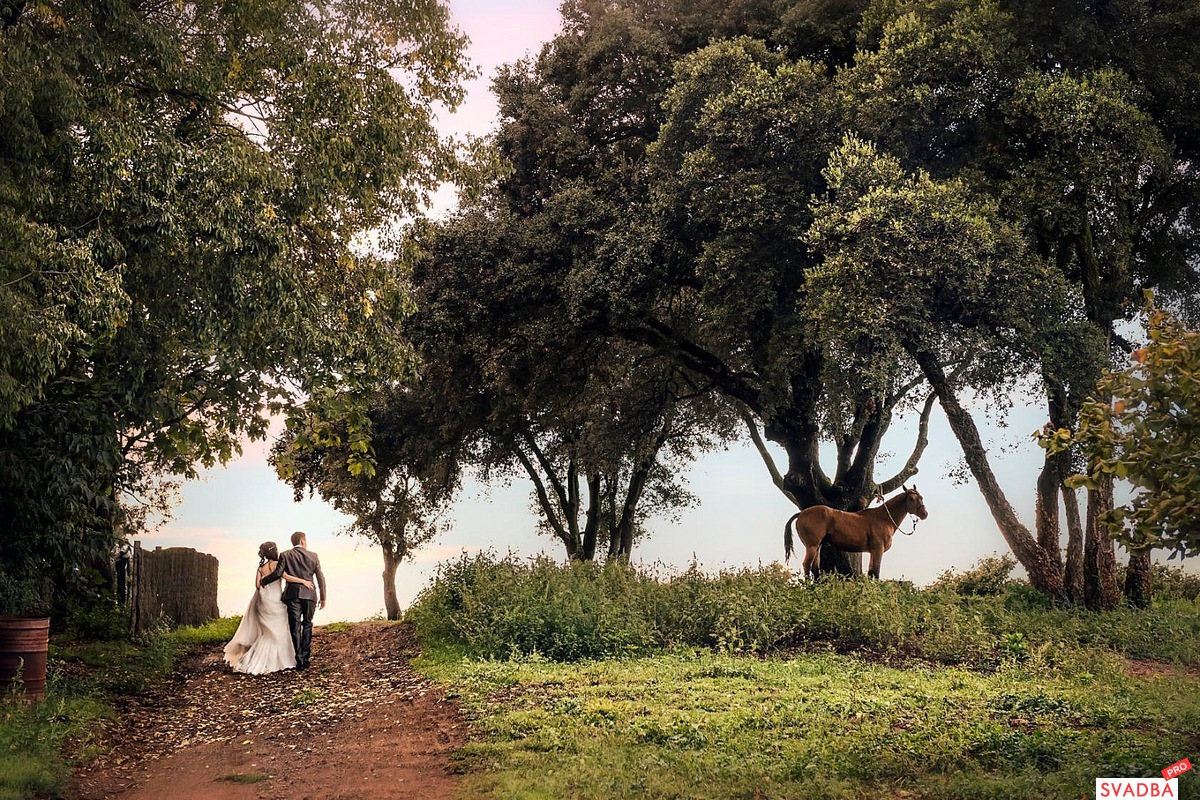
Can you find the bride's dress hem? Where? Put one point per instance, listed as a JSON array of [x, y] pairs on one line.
[[262, 643]]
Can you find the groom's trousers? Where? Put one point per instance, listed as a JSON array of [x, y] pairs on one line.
[[300, 617]]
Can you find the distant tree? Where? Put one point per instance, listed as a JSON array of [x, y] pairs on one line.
[[183, 192], [401, 503]]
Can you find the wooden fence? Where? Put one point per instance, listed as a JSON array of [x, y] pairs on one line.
[[177, 584]]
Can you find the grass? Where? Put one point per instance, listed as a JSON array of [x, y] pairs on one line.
[[818, 725], [590, 682]]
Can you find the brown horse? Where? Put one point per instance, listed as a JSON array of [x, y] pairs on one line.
[[866, 531]]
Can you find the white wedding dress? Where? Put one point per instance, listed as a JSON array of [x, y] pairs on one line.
[[262, 642]]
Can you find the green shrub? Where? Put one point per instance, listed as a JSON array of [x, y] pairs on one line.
[[1172, 583], [494, 607], [989, 577], [498, 608], [1169, 582], [104, 620]]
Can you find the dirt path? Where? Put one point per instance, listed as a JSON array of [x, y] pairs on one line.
[[360, 724]]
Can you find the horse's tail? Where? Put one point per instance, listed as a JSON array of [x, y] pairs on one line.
[[787, 537]]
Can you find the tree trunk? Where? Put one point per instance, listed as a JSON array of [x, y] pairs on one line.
[[391, 560], [1100, 591], [802, 485], [1044, 571], [628, 519], [1139, 584], [840, 562], [565, 527], [1073, 579], [591, 529], [1049, 532]]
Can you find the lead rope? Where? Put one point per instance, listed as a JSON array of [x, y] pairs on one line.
[[896, 525]]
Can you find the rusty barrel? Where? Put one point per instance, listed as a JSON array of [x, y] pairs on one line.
[[24, 643]]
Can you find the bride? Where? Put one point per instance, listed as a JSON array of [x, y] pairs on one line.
[[263, 642]]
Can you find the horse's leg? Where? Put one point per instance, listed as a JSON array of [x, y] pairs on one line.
[[812, 559], [876, 557]]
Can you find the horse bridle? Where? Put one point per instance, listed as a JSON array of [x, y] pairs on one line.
[[895, 524]]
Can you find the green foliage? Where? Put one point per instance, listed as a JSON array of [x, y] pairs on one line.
[[25, 594], [499, 608], [814, 206], [102, 621], [394, 483], [1146, 435], [707, 725], [184, 192], [306, 697], [989, 576], [1173, 582], [31, 740], [520, 377], [84, 677], [492, 607]]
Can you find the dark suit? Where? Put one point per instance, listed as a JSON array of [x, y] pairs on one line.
[[301, 601]]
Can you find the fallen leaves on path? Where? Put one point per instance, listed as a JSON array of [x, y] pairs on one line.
[[360, 698]]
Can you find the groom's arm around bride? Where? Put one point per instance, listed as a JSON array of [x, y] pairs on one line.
[[304, 564]]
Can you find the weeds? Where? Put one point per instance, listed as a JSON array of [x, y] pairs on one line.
[[494, 607], [307, 697], [245, 777]]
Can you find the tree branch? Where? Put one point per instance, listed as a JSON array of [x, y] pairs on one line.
[[658, 334], [543, 498], [761, 446], [910, 467], [551, 475]]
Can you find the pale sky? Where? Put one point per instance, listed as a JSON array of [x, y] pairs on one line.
[[738, 523]]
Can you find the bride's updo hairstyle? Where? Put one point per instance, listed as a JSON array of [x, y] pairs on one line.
[[267, 551]]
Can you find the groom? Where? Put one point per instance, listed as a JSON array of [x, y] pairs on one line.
[[301, 600]]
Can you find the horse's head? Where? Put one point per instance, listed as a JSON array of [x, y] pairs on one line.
[[916, 503]]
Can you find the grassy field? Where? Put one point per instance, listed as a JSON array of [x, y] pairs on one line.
[[590, 682], [702, 725], [933, 694]]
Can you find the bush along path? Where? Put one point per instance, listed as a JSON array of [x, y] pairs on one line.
[[360, 723]]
